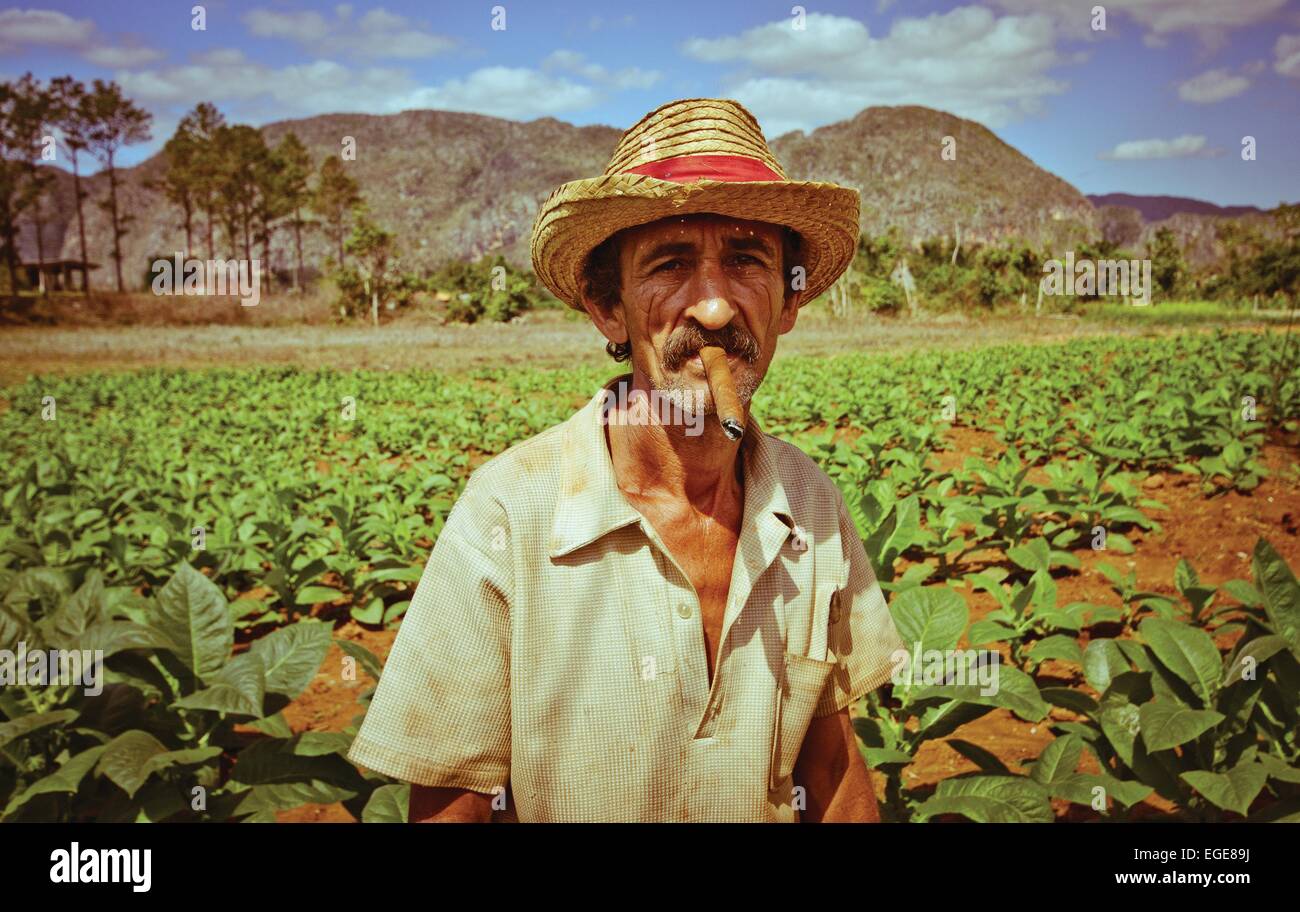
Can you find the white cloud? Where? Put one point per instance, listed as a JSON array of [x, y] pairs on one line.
[[43, 28], [627, 78], [304, 27], [1212, 86], [123, 58], [377, 34], [1209, 19], [1186, 146], [967, 61], [255, 92], [515, 92], [32, 28], [1287, 52], [229, 76]]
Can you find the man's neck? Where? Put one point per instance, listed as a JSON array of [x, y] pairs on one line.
[[662, 462]]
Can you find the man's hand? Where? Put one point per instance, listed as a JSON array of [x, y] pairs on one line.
[[833, 774], [448, 805]]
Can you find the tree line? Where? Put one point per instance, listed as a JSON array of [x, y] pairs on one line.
[[37, 120], [225, 176], [233, 191]]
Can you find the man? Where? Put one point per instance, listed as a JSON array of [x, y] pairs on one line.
[[633, 618]]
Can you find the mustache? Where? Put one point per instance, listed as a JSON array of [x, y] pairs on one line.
[[687, 341]]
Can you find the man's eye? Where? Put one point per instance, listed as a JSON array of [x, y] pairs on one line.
[[667, 265], [745, 259]]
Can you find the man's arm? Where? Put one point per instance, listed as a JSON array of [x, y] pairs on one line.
[[835, 778], [448, 805], [440, 715]]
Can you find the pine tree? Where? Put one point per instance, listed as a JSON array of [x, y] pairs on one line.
[[72, 118], [117, 122], [295, 171], [336, 195]]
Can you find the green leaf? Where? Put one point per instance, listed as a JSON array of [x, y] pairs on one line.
[[1081, 789], [125, 758], [987, 631], [112, 637], [193, 616], [934, 616], [1277, 769], [81, 610], [25, 725], [1187, 651], [67, 778], [238, 689], [1069, 698], [1281, 594], [1185, 576], [298, 759], [1165, 725], [1118, 713], [1231, 791], [275, 726], [1102, 662], [368, 661], [1252, 655], [372, 614], [1244, 592], [264, 800], [1058, 646], [186, 757], [292, 655], [1035, 556], [388, 804], [312, 595], [1058, 760], [1009, 689], [878, 757], [989, 799]]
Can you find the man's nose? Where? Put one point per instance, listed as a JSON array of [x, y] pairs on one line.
[[712, 312], [711, 308]]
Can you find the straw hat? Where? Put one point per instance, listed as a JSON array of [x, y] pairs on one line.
[[693, 155]]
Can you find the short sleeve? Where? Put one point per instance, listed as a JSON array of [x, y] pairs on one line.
[[861, 632], [440, 715]]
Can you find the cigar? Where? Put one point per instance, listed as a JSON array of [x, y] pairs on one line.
[[723, 388]]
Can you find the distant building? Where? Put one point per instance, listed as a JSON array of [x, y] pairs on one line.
[[52, 272]]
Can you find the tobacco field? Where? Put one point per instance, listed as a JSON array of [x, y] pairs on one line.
[[239, 541]]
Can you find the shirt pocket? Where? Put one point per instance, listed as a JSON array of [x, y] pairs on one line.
[[796, 701]]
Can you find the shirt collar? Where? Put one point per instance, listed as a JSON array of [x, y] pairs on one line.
[[591, 504]]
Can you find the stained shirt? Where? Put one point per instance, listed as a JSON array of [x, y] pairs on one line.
[[553, 653]]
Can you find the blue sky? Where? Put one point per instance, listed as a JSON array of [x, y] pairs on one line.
[[1156, 103]]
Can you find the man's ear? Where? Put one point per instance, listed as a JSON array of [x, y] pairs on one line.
[[609, 321], [790, 310]]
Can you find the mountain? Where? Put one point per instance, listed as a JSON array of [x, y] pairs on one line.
[[456, 186], [1132, 222], [1159, 208], [894, 157]]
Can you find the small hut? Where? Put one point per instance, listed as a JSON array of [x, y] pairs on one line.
[[42, 266]]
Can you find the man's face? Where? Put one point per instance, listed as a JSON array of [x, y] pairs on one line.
[[702, 279]]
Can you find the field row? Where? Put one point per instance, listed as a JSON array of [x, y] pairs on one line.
[[172, 518]]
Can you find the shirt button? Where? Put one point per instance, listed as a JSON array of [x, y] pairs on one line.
[[683, 610]]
